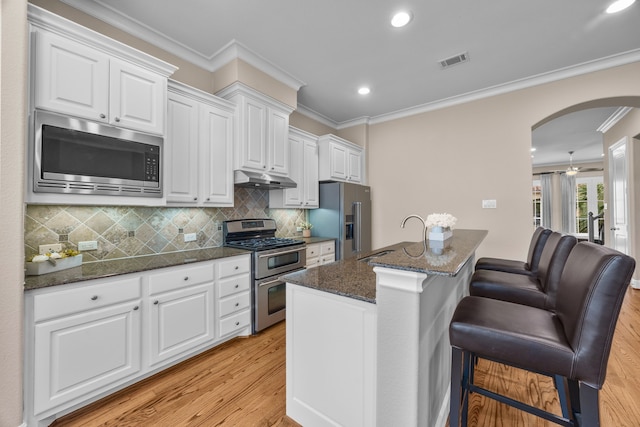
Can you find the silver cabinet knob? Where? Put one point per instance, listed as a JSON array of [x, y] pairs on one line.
[[237, 304], [117, 119], [236, 267], [95, 297], [186, 278], [102, 116], [156, 302], [135, 308], [236, 286], [195, 199], [237, 323]]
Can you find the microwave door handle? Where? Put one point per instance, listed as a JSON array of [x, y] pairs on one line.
[[357, 219]]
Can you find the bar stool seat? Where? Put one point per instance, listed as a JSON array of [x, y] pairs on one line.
[[528, 267], [571, 343], [537, 290]]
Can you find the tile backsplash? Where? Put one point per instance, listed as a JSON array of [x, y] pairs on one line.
[[126, 231]]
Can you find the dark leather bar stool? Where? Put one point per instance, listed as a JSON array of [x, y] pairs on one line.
[[538, 290], [529, 267], [573, 342]]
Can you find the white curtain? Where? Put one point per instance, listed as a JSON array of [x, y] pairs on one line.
[[547, 193], [568, 187]]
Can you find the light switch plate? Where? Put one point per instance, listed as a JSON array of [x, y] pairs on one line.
[[89, 245], [53, 247], [190, 237], [489, 204]]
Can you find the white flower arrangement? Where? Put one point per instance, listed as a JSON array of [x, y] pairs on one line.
[[443, 220]]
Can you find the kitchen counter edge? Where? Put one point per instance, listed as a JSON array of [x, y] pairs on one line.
[[117, 267]]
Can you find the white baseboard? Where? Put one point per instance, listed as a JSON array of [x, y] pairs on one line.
[[635, 284]]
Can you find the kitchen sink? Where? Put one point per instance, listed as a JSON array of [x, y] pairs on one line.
[[376, 255]]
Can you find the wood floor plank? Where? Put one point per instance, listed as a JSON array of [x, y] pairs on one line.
[[242, 383]]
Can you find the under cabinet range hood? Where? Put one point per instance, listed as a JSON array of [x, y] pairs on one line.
[[262, 180]]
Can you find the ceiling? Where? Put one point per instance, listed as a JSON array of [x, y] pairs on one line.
[[332, 47]]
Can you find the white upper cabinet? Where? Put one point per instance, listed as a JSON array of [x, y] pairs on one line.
[[340, 160], [199, 148], [262, 125], [82, 73], [303, 149]]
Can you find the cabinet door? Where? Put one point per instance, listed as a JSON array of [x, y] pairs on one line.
[[278, 142], [216, 160], [136, 98], [70, 77], [293, 197], [180, 321], [79, 354], [253, 142], [181, 150], [310, 181], [355, 166], [339, 163]]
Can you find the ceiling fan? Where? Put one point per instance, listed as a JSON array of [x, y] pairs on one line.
[[571, 170]]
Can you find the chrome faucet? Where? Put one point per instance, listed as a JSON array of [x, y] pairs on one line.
[[424, 224]]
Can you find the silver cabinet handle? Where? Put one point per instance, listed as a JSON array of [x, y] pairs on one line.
[[282, 253], [614, 228], [95, 297]]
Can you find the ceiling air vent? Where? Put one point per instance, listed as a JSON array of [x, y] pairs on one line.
[[457, 59]]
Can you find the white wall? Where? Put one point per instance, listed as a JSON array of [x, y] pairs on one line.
[[13, 32]]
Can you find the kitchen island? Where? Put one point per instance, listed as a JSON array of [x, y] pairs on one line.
[[367, 338]]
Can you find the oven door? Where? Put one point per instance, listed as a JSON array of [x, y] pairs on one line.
[[270, 302], [279, 261]]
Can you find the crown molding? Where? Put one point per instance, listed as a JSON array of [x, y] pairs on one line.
[[552, 76], [613, 119], [230, 51]]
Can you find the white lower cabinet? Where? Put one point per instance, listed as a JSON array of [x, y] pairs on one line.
[[180, 311], [88, 339], [320, 253]]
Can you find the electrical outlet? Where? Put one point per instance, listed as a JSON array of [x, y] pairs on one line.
[[298, 228], [190, 237], [89, 245], [53, 247], [489, 204]]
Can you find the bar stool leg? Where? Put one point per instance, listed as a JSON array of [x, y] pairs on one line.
[[590, 406]]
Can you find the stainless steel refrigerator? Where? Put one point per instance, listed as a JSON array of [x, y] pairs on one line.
[[345, 215]]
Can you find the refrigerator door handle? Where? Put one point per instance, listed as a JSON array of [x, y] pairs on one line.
[[357, 219]]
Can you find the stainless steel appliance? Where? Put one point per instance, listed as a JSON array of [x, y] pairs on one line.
[[75, 155], [272, 257], [345, 215]]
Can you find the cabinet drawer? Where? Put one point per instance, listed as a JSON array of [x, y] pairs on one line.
[[326, 259], [313, 251], [233, 266], [177, 278], [235, 322], [328, 248], [234, 303], [234, 285], [89, 297], [313, 262]]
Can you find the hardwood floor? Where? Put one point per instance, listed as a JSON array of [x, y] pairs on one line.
[[242, 383]]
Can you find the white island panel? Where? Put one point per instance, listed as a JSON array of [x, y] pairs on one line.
[[331, 352]]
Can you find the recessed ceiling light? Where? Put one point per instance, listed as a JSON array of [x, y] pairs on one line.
[[619, 5], [401, 19], [364, 90]]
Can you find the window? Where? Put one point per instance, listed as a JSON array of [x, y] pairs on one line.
[[589, 198], [537, 203]]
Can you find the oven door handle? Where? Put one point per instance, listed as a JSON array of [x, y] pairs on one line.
[[269, 282], [282, 253]]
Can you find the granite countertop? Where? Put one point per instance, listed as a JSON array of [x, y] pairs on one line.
[[354, 278], [100, 269]]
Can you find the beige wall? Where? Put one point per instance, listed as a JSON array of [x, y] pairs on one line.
[[13, 45], [449, 160], [628, 127], [310, 125]]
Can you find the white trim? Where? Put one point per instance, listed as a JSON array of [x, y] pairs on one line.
[[635, 284], [613, 119], [123, 22], [230, 51]]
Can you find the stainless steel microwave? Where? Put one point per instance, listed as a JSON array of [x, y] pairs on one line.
[[75, 155]]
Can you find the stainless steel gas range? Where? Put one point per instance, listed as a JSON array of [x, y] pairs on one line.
[[272, 257]]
